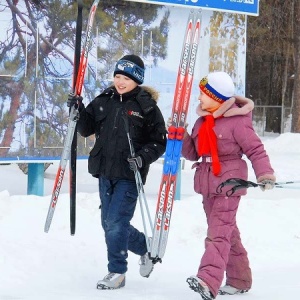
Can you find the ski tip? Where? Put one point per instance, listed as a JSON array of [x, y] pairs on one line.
[[46, 228]]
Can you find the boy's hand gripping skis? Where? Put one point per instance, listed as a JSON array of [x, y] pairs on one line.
[[73, 118], [175, 135]]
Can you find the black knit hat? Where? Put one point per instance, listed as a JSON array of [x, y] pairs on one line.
[[131, 66]]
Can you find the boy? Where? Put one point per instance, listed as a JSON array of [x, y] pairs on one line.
[[111, 162]]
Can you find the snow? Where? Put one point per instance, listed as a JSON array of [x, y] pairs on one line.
[[55, 265]]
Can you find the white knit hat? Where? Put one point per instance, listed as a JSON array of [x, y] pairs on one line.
[[218, 86]]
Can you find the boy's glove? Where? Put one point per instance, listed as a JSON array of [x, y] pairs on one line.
[[74, 100], [135, 163], [267, 184]]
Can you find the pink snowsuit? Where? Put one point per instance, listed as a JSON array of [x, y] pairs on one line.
[[224, 251]]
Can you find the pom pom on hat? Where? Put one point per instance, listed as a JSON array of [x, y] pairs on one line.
[[131, 66], [218, 86]]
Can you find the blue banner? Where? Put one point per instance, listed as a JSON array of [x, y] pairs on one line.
[[249, 7]]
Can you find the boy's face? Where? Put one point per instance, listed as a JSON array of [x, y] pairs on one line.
[[207, 103], [124, 84]]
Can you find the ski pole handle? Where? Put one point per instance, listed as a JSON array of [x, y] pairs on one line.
[[238, 183]]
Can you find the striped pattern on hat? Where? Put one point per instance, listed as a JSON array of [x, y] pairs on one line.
[[218, 86]]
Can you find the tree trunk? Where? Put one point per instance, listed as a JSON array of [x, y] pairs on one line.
[[16, 92], [296, 98]]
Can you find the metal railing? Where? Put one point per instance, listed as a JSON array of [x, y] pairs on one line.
[[282, 119]]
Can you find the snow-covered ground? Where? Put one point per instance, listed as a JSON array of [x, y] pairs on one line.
[[41, 266]]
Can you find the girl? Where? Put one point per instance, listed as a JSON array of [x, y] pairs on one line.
[[220, 137]]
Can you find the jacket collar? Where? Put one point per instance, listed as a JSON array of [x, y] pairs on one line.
[[232, 107]]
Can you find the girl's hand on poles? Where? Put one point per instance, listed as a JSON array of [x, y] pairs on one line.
[[169, 123], [267, 184]]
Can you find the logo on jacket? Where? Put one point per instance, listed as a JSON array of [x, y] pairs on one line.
[[135, 114]]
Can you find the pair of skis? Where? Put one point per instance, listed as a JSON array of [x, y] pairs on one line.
[[70, 143], [175, 136]]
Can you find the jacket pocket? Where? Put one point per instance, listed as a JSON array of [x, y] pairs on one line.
[[136, 127], [198, 177], [95, 161], [129, 204]]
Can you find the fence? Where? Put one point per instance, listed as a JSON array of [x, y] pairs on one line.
[[278, 119]]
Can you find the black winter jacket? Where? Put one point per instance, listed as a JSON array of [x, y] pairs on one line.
[[104, 117]]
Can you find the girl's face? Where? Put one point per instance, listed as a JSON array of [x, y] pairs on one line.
[[124, 84], [207, 103]]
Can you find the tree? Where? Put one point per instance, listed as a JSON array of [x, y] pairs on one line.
[[36, 58], [270, 59], [227, 34], [296, 95]]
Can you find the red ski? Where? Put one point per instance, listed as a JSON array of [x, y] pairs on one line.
[[73, 117], [175, 135]]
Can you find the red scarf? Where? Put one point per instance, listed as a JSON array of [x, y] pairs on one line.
[[207, 142]]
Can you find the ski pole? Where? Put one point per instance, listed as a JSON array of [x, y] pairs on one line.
[[139, 186], [238, 183]]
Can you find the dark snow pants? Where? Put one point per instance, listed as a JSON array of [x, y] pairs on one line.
[[118, 202]]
